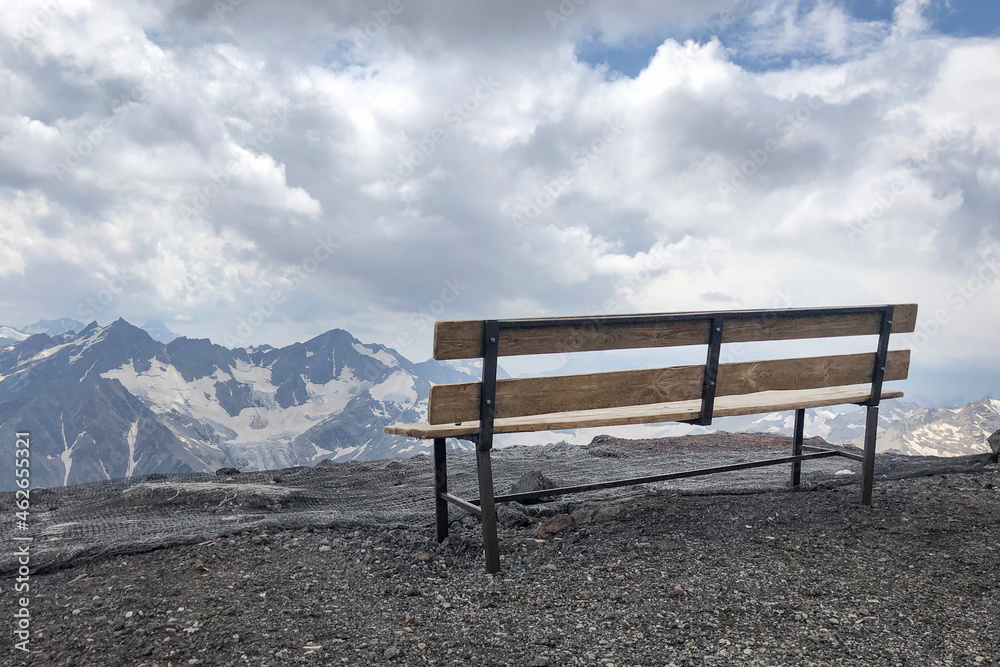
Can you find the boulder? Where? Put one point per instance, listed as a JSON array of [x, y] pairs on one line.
[[533, 481], [511, 515], [994, 441], [556, 524]]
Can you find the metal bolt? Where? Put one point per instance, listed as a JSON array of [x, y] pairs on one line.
[[489, 402], [890, 321], [493, 340], [711, 383]]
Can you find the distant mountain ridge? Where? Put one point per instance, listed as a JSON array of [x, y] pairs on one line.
[[10, 335], [112, 402], [108, 402], [904, 427], [157, 330], [54, 327]]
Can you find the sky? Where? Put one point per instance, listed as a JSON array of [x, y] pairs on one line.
[[260, 172]]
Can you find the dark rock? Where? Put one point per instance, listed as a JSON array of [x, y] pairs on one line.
[[994, 441], [609, 513], [508, 515], [533, 481], [227, 472], [155, 476], [556, 524]]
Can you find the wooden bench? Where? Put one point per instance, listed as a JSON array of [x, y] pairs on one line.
[[692, 394]]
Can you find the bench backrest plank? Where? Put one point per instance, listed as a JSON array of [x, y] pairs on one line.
[[518, 397], [463, 339]]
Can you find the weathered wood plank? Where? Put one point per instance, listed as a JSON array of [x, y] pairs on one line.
[[463, 339], [725, 406], [518, 397]]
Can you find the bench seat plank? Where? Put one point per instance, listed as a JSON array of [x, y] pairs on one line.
[[725, 406]]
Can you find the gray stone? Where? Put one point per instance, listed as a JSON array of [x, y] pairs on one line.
[[533, 480], [391, 652], [510, 516], [994, 441]]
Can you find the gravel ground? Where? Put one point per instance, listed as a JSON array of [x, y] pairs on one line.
[[120, 517], [769, 577]]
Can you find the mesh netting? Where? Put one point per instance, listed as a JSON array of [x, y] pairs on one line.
[[107, 518]]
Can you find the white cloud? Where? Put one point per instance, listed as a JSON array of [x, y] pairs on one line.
[[857, 161]]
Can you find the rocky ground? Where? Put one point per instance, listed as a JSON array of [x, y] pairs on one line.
[[770, 577]]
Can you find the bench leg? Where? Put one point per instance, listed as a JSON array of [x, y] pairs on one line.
[[489, 515], [800, 423], [868, 466], [440, 488]]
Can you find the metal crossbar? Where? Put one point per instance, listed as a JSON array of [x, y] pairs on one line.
[[467, 505], [597, 486]]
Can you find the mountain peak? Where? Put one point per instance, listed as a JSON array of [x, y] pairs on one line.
[[159, 331], [332, 335], [123, 325], [90, 328]]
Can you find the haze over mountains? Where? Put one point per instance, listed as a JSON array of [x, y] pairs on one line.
[[113, 401]]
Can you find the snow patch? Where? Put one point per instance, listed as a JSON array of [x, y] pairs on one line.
[[93, 339], [397, 388], [133, 432], [87, 372], [383, 356], [13, 334], [320, 452], [166, 390], [67, 453]]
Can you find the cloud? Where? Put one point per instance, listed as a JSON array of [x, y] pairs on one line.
[[206, 151]]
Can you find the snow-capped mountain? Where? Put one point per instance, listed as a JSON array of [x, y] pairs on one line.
[[10, 335], [159, 332], [904, 427], [112, 402], [840, 424], [53, 327], [945, 432]]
